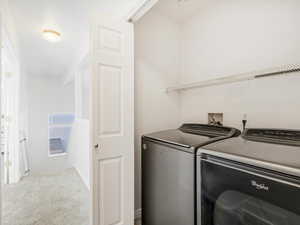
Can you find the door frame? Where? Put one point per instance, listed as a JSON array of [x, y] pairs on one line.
[[1, 28], [141, 8], [8, 47]]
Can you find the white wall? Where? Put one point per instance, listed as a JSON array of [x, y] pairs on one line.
[[79, 149], [46, 95], [156, 67], [229, 37]]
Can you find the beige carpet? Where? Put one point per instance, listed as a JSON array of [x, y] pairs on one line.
[[60, 199]]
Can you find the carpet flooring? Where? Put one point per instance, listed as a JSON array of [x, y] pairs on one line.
[[60, 199]]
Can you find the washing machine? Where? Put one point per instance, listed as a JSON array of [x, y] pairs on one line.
[[253, 179], [169, 172]]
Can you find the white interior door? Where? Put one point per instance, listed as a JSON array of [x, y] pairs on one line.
[[112, 122]]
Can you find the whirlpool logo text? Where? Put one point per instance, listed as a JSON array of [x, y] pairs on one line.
[[259, 186]]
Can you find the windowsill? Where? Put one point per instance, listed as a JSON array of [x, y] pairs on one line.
[[57, 155]]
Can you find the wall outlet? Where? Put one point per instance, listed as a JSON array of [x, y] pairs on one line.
[[215, 119]]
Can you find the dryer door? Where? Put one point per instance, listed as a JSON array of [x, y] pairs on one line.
[[237, 194]]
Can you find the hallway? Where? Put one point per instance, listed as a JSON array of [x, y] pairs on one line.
[[58, 199]]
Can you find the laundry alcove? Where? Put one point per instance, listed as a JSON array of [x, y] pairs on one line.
[[187, 42]]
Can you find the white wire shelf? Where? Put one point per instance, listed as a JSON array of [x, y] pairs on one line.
[[283, 70]]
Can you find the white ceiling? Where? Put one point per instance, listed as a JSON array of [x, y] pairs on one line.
[[179, 10], [70, 17]]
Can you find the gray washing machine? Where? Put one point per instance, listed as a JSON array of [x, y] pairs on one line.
[[169, 172], [251, 179]]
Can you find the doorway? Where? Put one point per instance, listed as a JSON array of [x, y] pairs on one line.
[[44, 129], [97, 146]]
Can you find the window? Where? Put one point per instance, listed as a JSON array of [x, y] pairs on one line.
[[60, 126]]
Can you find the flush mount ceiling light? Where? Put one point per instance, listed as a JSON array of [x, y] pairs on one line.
[[51, 35]]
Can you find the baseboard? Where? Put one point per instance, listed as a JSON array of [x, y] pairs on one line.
[[138, 214], [85, 181]]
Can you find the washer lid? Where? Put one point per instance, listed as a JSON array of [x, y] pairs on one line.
[[209, 130], [275, 146], [192, 135], [276, 136]]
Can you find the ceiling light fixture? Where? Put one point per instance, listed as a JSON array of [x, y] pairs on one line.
[[51, 35]]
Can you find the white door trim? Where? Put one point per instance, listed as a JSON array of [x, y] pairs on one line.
[[140, 10], [1, 30]]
